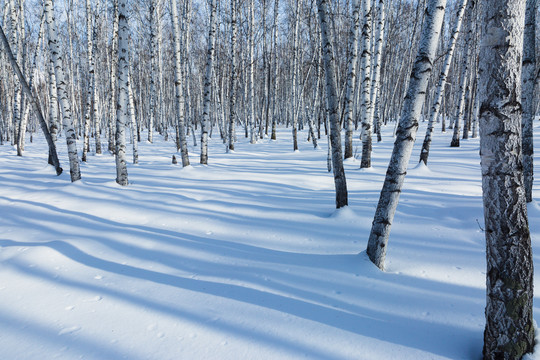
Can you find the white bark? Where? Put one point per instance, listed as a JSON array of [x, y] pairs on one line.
[[58, 64], [332, 105], [509, 331], [406, 133], [178, 86], [366, 113], [208, 83], [122, 106], [232, 91]]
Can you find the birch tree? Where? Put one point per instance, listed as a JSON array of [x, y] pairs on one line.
[[406, 133], [276, 70], [90, 86], [58, 64], [178, 86], [123, 97], [509, 331], [332, 105], [208, 83], [26, 88], [529, 94], [232, 84], [377, 59], [367, 117], [351, 79], [437, 100]]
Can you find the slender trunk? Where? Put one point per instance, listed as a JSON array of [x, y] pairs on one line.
[[351, 79], [33, 101], [123, 97], [276, 71], [90, 89], [367, 115], [134, 126], [332, 105], [376, 83], [406, 133], [179, 93], [232, 92], [58, 63]]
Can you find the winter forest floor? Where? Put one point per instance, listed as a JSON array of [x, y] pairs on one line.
[[245, 258]]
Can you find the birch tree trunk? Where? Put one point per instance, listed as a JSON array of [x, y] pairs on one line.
[[332, 105], [435, 109], [463, 82], [57, 62], [153, 74], [208, 83], [90, 89], [376, 83], [351, 79], [367, 117], [114, 66], [276, 71], [178, 86], [134, 126], [406, 133], [26, 88], [232, 91], [251, 94], [123, 97], [509, 332], [294, 61], [529, 94]]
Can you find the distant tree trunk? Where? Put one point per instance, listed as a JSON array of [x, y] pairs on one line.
[[351, 79], [208, 83], [251, 93], [509, 332], [463, 84], [26, 88], [123, 98], [437, 100], [376, 83], [332, 105], [406, 133], [114, 68], [294, 76], [276, 71], [180, 100], [134, 126], [90, 86], [153, 45], [367, 115], [232, 91], [529, 94], [58, 63]]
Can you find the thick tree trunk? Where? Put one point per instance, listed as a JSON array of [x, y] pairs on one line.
[[509, 332], [67, 123], [332, 105], [406, 133]]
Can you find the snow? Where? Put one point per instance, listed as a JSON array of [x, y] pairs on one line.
[[245, 258]]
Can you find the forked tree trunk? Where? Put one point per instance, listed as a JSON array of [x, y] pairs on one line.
[[509, 331], [406, 133], [332, 105], [58, 64]]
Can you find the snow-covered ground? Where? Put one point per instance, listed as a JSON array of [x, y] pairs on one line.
[[245, 258]]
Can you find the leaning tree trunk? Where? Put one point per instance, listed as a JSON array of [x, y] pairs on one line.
[[435, 109], [332, 105], [351, 79], [58, 63], [406, 133], [509, 332], [528, 94], [208, 83], [123, 98], [179, 93], [26, 88]]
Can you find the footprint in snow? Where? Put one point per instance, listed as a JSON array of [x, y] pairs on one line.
[[69, 330]]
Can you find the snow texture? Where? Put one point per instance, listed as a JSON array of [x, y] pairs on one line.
[[245, 258]]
